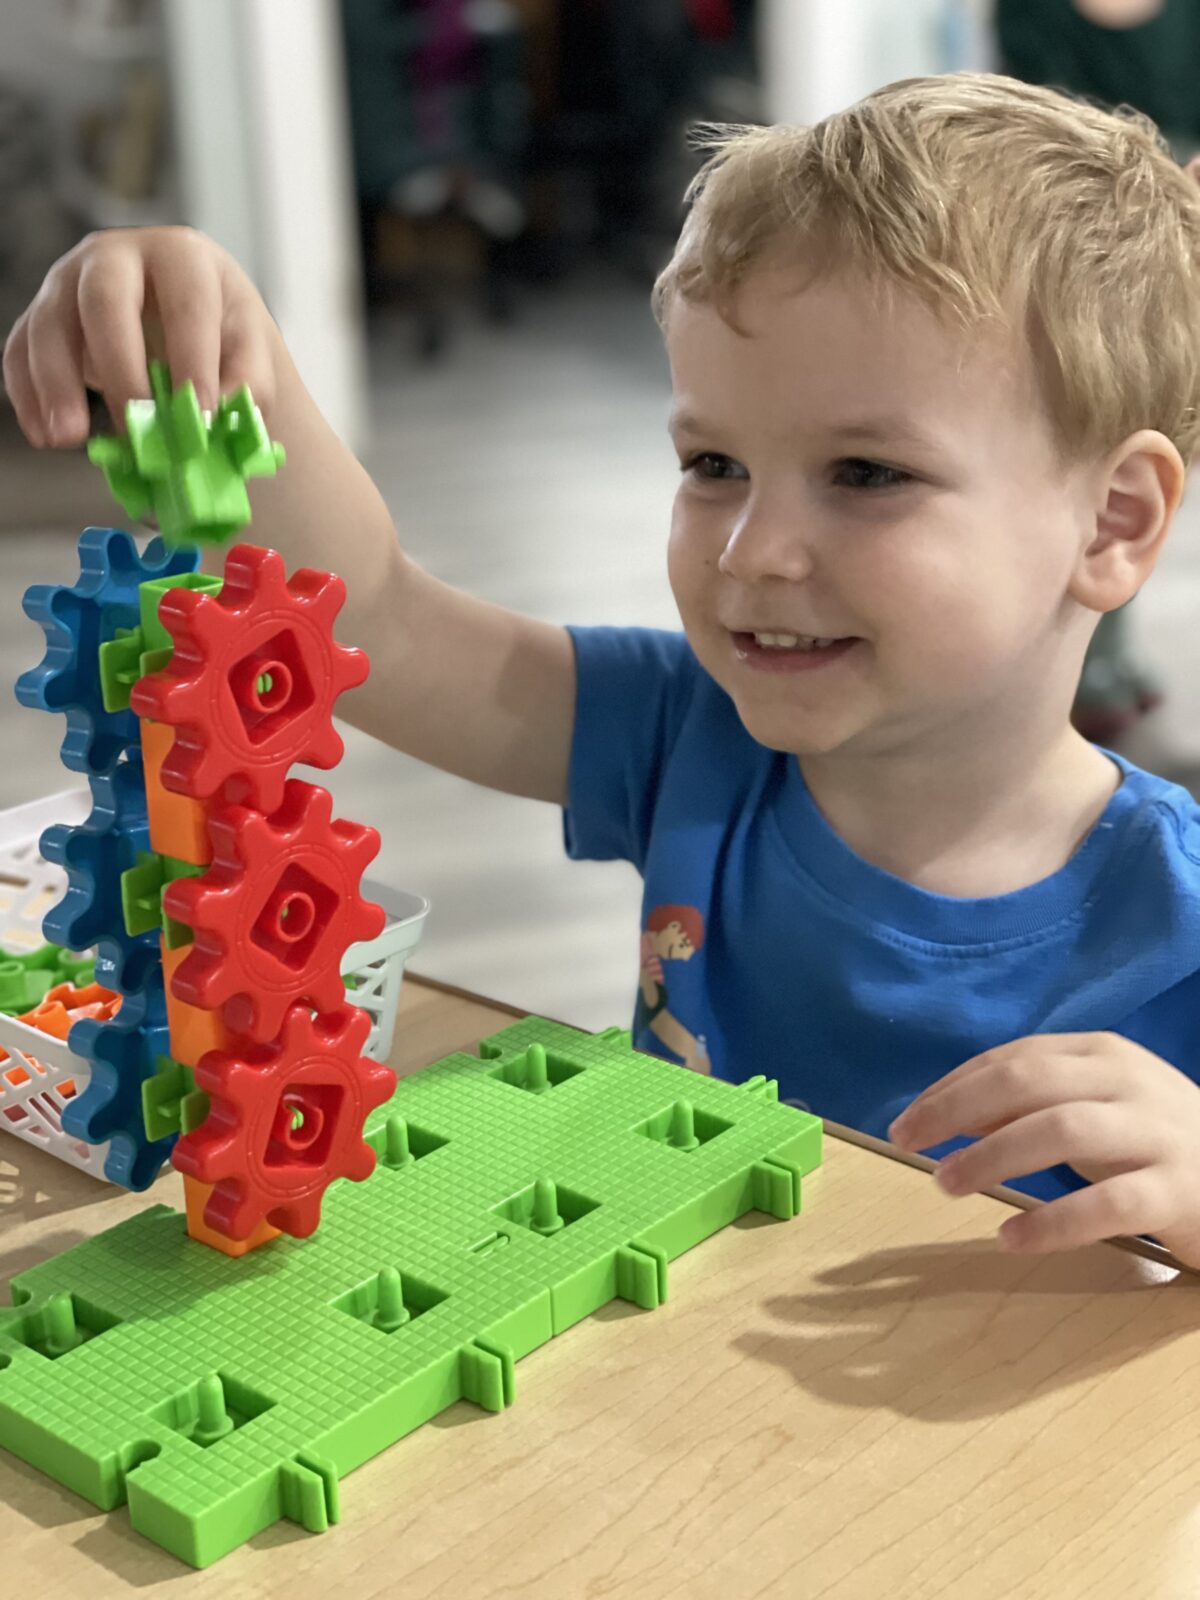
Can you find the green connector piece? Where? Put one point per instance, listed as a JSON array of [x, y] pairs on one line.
[[193, 1110], [141, 896], [184, 467], [213, 1421], [134, 652], [397, 1151], [215, 1397], [155, 637], [163, 1097], [390, 1311], [544, 1217], [120, 668]]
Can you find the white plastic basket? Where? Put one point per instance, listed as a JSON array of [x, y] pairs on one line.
[[42, 1073]]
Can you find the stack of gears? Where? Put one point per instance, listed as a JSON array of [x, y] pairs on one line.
[[219, 894]]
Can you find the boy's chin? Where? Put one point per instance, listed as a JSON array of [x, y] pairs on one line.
[[793, 735]]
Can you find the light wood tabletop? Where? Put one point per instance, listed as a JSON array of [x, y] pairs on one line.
[[870, 1401]]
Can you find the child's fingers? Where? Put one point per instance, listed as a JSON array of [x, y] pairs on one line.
[[246, 356], [56, 363], [111, 296], [186, 287], [18, 383], [1010, 1081], [1132, 1202], [1086, 1134]]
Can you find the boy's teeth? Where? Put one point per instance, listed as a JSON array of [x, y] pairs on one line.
[[790, 641]]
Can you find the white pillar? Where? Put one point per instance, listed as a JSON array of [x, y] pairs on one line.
[[259, 88], [816, 57], [819, 57]]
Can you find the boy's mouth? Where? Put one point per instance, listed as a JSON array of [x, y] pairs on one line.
[[788, 652]]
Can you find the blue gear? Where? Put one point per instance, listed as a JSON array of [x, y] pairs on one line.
[[124, 1053], [77, 621], [95, 854]]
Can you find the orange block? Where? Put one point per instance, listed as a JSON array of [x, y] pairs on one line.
[[65, 1004], [193, 1032], [195, 1196], [177, 824], [55, 1013]]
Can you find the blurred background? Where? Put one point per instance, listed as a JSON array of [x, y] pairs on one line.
[[456, 209]]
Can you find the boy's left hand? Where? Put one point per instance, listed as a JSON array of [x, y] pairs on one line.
[[1122, 1117]]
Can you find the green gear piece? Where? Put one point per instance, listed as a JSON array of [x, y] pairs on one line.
[[184, 466], [20, 988], [27, 976], [62, 965]]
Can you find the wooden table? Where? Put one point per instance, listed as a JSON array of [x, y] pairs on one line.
[[872, 1401]]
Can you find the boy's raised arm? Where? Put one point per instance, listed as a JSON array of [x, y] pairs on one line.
[[455, 681]]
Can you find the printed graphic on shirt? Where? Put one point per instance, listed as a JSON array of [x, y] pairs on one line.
[[673, 933]]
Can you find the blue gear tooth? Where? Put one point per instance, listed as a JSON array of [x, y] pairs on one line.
[[135, 1165], [77, 620], [123, 1054], [94, 855]]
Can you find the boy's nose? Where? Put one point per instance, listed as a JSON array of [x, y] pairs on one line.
[[766, 543]]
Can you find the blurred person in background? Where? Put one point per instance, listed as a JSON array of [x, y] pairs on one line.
[[1144, 53]]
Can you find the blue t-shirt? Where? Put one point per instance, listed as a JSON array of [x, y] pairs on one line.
[[781, 951]]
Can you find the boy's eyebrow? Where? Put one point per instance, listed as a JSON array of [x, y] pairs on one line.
[[883, 430], [863, 430], [683, 422]]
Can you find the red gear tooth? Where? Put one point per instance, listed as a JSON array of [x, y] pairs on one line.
[[262, 1166], [233, 737], [276, 912]]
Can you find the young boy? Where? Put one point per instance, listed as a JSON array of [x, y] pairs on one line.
[[936, 364]]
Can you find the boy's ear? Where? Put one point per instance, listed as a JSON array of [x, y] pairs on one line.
[[1139, 488]]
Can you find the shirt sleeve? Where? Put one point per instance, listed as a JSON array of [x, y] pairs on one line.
[[633, 690]]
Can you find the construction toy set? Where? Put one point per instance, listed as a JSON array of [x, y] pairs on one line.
[[213, 991]]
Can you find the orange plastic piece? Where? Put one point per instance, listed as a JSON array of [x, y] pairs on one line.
[[193, 1032], [55, 1013], [65, 1004], [177, 825], [195, 1195]]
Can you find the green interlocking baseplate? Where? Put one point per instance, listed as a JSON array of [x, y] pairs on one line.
[[515, 1193]]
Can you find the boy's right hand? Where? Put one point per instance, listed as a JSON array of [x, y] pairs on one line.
[[455, 681], [120, 298]]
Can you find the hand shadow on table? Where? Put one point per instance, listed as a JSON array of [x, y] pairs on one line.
[[955, 1331], [33, 1186], [110, 1540]]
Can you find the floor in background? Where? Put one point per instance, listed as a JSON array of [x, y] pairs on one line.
[[532, 465]]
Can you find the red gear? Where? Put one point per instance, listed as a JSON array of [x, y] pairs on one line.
[[276, 912], [251, 686], [263, 1162]]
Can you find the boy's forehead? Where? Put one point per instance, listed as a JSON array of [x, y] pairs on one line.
[[836, 349]]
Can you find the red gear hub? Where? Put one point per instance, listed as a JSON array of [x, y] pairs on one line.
[[251, 686], [276, 912], [284, 1122]]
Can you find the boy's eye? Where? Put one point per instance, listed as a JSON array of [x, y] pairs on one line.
[[710, 465], [858, 473]]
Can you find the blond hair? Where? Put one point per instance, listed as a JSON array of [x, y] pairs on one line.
[[992, 201]]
